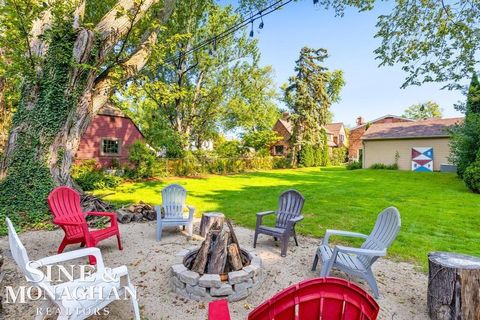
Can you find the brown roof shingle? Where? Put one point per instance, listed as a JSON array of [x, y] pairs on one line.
[[417, 129], [335, 128]]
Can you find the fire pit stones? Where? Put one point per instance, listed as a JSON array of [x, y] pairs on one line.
[[207, 287]]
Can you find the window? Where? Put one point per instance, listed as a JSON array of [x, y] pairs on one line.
[[279, 150], [110, 147], [341, 138]]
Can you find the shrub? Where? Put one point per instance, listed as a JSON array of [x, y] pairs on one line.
[[384, 166], [307, 156], [89, 176], [260, 141], [354, 165], [228, 148], [471, 176], [142, 160], [339, 156]]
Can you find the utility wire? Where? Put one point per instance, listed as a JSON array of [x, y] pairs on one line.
[[232, 29]]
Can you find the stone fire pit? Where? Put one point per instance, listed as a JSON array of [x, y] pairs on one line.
[[234, 286]]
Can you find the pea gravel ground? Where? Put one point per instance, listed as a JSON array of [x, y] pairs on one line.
[[402, 286]]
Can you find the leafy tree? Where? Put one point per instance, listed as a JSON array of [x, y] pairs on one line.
[[466, 136], [433, 41], [261, 141], [67, 58], [228, 148], [309, 94], [217, 86], [422, 111]]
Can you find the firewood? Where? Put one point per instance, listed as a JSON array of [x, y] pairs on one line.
[[234, 239], [137, 217], [218, 256], [124, 216], [202, 255], [149, 214], [234, 257]]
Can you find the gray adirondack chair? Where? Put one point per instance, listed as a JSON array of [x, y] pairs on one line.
[[290, 205], [358, 261], [173, 205]]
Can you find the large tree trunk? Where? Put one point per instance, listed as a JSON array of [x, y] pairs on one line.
[[58, 106]]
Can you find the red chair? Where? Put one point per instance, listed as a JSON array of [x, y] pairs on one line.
[[64, 202], [318, 298]]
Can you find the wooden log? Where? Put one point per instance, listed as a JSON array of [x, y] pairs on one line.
[[137, 217], [149, 213], [208, 219], [234, 257], [124, 216], [218, 255], [233, 239], [453, 286], [202, 255]]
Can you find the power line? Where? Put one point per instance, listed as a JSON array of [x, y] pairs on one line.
[[234, 28]]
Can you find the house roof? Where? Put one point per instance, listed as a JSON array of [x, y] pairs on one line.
[[287, 124], [334, 128], [430, 128], [328, 128], [110, 110], [381, 118]]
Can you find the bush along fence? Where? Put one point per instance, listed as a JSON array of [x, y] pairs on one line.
[[143, 165]]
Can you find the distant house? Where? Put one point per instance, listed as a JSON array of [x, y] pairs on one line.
[[355, 147], [108, 137], [283, 128], [336, 135], [414, 145]]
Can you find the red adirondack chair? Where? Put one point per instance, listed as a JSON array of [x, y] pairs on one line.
[[64, 202], [312, 299]]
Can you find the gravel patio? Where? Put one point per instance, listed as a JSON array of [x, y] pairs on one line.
[[402, 286]]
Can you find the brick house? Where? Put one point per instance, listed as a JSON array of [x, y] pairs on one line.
[[108, 137], [355, 146], [283, 128], [336, 135]]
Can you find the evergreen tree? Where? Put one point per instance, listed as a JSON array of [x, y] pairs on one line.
[[309, 94], [466, 137]]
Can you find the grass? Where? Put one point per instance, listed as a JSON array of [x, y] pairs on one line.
[[438, 212]]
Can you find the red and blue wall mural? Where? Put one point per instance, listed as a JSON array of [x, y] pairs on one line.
[[422, 159]]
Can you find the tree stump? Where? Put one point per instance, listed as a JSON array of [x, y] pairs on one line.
[[208, 219], [453, 286]]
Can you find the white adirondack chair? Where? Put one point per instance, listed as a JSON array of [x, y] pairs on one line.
[[358, 261], [173, 205], [65, 297]]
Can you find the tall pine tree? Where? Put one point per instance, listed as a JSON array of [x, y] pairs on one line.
[[309, 94]]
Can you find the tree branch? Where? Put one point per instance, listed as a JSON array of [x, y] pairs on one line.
[[133, 64], [115, 24]]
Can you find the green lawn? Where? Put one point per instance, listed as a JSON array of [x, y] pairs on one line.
[[438, 212]]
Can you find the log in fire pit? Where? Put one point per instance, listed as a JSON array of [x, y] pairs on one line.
[[218, 269]]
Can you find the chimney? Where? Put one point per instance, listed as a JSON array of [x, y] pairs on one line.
[[285, 115], [360, 121]]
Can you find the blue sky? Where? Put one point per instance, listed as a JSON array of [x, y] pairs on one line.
[[370, 91]]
